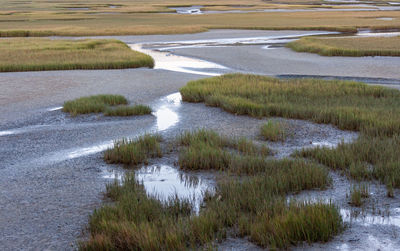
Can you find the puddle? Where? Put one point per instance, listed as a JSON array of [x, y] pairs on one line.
[[303, 134], [88, 150], [385, 18], [113, 175], [22, 130], [54, 109], [325, 144], [7, 132], [164, 181], [195, 9], [368, 33], [352, 216], [170, 62], [166, 113]]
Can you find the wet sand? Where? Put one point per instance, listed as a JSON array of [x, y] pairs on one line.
[[52, 174]]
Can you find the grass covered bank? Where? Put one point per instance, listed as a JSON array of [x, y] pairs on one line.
[[21, 54], [372, 110], [348, 46]]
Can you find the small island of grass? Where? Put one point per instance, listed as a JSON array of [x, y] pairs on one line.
[[348, 46]]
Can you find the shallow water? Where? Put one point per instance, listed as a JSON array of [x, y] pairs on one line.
[[164, 59], [357, 6], [167, 111], [167, 61], [164, 182], [367, 219]]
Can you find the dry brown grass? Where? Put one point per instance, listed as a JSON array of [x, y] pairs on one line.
[[23, 54], [138, 17], [349, 46]]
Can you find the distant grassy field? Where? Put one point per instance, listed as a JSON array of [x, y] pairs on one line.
[[348, 46], [372, 110], [21, 54], [96, 17]]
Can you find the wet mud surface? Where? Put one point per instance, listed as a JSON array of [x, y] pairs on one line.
[[52, 174]]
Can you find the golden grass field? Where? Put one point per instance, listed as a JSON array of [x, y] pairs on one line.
[[349, 46], [96, 17], [35, 54]]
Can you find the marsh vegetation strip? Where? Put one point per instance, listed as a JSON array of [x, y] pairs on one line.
[[22, 54], [372, 110], [39, 23], [348, 46], [252, 205], [110, 105]]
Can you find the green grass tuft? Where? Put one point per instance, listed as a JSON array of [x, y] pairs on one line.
[[128, 110], [297, 223], [93, 104], [134, 151], [273, 131], [358, 193], [205, 150]]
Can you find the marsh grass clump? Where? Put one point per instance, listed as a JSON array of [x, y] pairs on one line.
[[348, 46], [358, 193], [110, 105], [273, 131], [364, 159], [19, 54], [255, 207], [128, 110], [137, 221], [206, 150], [134, 151], [299, 222], [374, 111], [93, 104]]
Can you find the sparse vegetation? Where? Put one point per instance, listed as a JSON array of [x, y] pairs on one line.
[[20, 54], [128, 110], [348, 46], [358, 193], [134, 151], [273, 131]]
